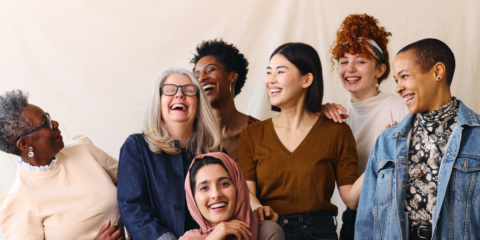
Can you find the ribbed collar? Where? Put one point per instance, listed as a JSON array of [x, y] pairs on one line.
[[30, 168]]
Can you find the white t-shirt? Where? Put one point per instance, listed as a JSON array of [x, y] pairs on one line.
[[367, 118]]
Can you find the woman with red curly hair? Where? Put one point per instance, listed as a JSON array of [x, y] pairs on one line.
[[360, 51]]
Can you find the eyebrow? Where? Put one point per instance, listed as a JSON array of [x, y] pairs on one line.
[[211, 64], [219, 179], [281, 66], [401, 71]]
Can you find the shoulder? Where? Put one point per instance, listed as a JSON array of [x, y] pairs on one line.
[[135, 139], [257, 126], [330, 125]]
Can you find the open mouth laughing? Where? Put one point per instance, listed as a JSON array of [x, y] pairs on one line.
[[178, 107], [352, 80], [218, 206], [409, 98], [208, 87]]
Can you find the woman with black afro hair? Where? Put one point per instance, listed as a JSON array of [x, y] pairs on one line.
[[222, 70]]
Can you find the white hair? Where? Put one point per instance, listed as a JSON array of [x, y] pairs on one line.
[[206, 135]]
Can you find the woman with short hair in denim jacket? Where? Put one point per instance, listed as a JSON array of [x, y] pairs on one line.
[[421, 179], [179, 125]]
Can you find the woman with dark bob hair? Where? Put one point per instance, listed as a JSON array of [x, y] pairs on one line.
[[60, 191], [292, 161], [222, 70]]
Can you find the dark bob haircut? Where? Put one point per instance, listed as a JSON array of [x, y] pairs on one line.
[[431, 51], [306, 59], [199, 163], [228, 55]]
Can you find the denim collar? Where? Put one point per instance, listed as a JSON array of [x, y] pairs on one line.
[[465, 117]]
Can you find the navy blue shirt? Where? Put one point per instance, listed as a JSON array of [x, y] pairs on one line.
[[150, 191]]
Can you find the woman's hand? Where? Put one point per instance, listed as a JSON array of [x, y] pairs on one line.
[[108, 232], [233, 227], [386, 126], [330, 110], [266, 211]]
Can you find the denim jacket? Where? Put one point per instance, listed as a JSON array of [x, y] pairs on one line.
[[381, 212], [150, 191]]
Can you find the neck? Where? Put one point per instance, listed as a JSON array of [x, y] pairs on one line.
[[441, 98], [364, 95], [37, 161], [227, 114], [296, 116], [180, 132]]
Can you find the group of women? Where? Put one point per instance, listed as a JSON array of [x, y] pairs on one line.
[[200, 166]]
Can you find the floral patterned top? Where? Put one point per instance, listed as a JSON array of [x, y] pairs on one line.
[[428, 144]]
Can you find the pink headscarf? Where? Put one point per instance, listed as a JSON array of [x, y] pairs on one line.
[[242, 210]]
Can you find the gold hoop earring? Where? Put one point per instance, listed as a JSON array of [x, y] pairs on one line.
[[232, 91]]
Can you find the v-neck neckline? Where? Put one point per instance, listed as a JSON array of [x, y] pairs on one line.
[[302, 143]]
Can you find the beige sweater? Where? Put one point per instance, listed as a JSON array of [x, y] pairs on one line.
[[71, 201], [368, 118]]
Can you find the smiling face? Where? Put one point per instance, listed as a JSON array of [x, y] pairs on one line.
[[415, 86], [45, 142], [214, 79], [284, 82], [178, 108], [215, 194], [359, 74]]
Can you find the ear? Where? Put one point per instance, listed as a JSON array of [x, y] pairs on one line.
[[381, 68], [307, 80], [232, 77], [439, 71], [23, 145]]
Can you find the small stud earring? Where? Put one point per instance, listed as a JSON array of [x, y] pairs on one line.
[[30, 152], [438, 78]]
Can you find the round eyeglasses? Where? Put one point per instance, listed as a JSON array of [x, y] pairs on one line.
[[171, 89], [48, 122]]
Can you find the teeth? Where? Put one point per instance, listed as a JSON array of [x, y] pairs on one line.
[[353, 79], [275, 90], [408, 97], [208, 87], [178, 106], [218, 205]]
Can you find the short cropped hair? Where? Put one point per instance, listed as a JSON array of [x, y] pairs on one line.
[[228, 55], [306, 59], [431, 51], [12, 121]]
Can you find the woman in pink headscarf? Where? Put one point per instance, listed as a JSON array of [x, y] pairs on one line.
[[218, 200]]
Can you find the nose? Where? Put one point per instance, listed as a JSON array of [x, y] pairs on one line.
[[55, 124], [179, 93], [351, 67], [399, 88], [216, 193], [202, 76]]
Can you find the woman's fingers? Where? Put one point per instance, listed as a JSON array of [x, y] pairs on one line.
[[267, 211], [117, 234], [110, 230], [104, 227], [260, 213], [344, 115], [340, 107], [275, 217]]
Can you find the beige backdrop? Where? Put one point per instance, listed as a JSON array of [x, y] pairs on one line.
[[90, 64]]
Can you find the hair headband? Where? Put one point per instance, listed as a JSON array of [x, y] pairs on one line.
[[372, 48]]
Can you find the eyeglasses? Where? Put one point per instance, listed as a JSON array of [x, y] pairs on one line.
[[48, 122], [171, 89]]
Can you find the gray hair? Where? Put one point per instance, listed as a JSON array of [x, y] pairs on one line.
[[12, 121], [206, 136]]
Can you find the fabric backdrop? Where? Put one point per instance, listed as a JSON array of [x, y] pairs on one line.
[[91, 64]]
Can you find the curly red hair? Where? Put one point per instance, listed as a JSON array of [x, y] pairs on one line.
[[365, 26]]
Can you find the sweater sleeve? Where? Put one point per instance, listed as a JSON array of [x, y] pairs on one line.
[[347, 166], [19, 220], [108, 163], [133, 196]]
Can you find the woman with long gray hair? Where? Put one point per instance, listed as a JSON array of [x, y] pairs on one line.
[[179, 125], [61, 191]]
